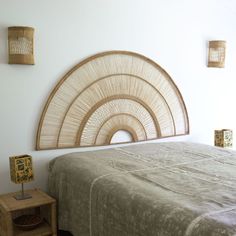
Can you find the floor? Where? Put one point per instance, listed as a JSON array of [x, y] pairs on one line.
[[63, 233]]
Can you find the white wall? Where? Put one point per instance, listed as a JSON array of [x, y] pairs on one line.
[[173, 33]]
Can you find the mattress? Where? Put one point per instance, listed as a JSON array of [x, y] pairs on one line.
[[161, 189]]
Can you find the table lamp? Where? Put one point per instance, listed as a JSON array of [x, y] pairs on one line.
[[224, 138], [21, 172]]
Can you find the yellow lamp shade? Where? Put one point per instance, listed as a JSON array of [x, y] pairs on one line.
[[224, 138], [21, 169]]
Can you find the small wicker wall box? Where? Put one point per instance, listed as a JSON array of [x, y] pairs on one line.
[[21, 45], [224, 138], [216, 54]]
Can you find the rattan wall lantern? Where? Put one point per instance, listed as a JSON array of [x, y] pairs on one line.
[[21, 45], [216, 54]]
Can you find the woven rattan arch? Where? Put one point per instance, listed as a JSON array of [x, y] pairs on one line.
[[107, 92]]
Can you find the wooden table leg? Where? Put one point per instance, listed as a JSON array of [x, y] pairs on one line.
[[9, 226], [54, 219]]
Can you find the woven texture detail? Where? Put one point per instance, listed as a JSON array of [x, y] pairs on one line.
[[21, 46], [108, 92]]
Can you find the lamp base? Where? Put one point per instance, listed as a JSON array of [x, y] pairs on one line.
[[22, 196]]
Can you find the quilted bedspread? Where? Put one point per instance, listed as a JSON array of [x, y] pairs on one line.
[[161, 189]]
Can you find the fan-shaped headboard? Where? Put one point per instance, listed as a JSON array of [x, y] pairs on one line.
[[108, 92]]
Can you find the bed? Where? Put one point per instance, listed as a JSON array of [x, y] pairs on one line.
[[161, 189], [155, 189]]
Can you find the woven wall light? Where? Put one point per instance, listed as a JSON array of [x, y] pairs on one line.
[[216, 54], [21, 45]]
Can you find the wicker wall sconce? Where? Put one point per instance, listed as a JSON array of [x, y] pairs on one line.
[[224, 138], [21, 45], [216, 54]]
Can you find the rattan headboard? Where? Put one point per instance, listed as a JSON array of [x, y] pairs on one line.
[[111, 91]]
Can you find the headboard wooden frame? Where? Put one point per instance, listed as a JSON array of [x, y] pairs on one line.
[[108, 92]]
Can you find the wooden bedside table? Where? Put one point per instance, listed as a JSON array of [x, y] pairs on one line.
[[10, 207]]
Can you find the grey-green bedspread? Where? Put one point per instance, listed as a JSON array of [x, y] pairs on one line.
[[161, 189]]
